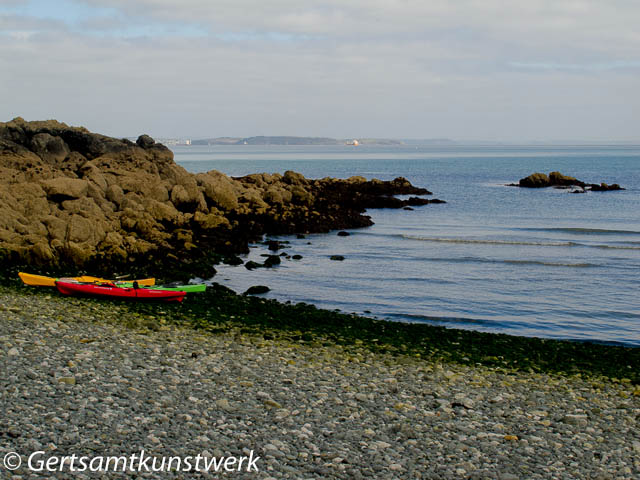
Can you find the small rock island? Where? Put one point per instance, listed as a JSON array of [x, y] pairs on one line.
[[558, 180]]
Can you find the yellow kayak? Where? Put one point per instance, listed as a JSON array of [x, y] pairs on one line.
[[42, 281]]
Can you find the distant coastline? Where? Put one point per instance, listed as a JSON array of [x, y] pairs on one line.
[[328, 141], [291, 140]]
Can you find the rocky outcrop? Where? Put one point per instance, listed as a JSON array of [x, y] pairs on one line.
[[69, 197], [558, 180]]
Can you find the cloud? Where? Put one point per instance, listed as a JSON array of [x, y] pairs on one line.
[[341, 68]]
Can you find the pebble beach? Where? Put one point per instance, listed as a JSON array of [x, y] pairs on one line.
[[79, 377]]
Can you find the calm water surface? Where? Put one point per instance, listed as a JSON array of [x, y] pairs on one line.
[[543, 263]]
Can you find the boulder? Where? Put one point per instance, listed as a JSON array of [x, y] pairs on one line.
[[91, 172], [294, 178], [274, 245], [210, 221], [49, 147], [232, 260], [257, 290], [145, 141], [219, 190], [161, 211], [115, 194], [63, 188], [271, 261]]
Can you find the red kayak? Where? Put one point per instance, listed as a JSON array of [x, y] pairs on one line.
[[113, 291]]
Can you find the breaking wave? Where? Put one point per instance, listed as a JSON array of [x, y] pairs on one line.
[[510, 261], [516, 242]]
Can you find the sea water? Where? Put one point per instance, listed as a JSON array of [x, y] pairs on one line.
[[534, 262]]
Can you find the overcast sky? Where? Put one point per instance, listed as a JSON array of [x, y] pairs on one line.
[[509, 70]]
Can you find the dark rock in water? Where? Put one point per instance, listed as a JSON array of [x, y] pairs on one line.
[[250, 265], [257, 290], [342, 233], [297, 257], [336, 257], [578, 191], [558, 180], [300, 236], [535, 180], [284, 254], [437, 200], [603, 187], [271, 261], [554, 179], [408, 208], [417, 201], [232, 260], [274, 245]]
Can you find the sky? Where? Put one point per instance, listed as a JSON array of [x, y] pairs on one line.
[[495, 70]]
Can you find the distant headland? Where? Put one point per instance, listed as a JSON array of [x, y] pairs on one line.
[[291, 140]]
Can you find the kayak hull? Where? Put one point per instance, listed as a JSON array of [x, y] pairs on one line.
[[113, 291], [42, 281], [172, 287]]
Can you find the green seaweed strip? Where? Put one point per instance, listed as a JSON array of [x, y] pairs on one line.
[[219, 310]]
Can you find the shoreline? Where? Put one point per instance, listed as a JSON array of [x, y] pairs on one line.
[[94, 377], [239, 279], [220, 310]]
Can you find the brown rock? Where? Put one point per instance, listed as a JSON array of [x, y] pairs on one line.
[[210, 221], [63, 188], [219, 190], [80, 229], [91, 172], [49, 147], [558, 179], [294, 178], [535, 180], [161, 211]]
